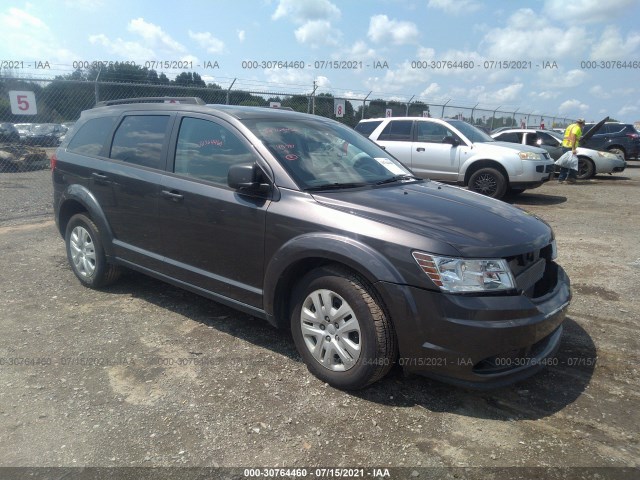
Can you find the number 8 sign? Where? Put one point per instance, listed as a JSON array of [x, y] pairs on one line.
[[23, 103]]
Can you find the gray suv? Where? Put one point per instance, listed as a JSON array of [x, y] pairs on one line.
[[301, 221]]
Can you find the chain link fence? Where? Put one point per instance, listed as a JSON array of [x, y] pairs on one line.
[[35, 114]]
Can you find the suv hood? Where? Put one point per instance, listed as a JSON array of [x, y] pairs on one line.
[[474, 225], [506, 147]]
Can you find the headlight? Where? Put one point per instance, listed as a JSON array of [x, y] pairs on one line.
[[530, 156], [461, 275], [608, 155]]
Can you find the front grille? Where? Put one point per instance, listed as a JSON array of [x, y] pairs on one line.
[[534, 271]]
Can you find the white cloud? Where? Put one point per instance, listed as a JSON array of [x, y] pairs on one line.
[[317, 33], [302, 11], [612, 46], [561, 79], [359, 50], [627, 110], [154, 35], [383, 29], [122, 49], [207, 41], [587, 11], [27, 37], [155, 41], [507, 95], [573, 106], [530, 34], [599, 92], [454, 6], [431, 90], [404, 78], [242, 35]]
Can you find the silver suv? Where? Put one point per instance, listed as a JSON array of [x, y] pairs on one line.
[[455, 151]]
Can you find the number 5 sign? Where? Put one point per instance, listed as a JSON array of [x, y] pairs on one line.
[[23, 103]]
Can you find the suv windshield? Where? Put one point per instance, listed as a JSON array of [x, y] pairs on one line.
[[318, 154], [472, 133]]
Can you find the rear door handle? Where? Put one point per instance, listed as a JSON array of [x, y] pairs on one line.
[[420, 149], [100, 178], [175, 196]]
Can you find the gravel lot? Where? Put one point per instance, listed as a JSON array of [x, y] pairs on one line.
[[146, 375]]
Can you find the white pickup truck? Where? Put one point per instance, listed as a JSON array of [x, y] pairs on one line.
[[457, 152]]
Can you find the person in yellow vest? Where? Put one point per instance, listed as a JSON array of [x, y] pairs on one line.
[[570, 142]]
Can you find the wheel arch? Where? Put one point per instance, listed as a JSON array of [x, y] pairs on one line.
[[77, 199], [303, 254], [486, 163]]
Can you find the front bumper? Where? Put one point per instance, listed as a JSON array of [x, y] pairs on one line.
[[534, 174], [477, 341]]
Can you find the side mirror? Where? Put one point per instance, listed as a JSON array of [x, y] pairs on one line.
[[451, 140], [247, 179]]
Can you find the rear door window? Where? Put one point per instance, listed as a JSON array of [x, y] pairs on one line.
[[397, 130], [139, 140]]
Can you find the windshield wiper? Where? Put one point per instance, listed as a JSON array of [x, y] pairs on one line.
[[334, 186], [398, 178]]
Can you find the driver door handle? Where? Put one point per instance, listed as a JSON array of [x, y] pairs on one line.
[[173, 195]]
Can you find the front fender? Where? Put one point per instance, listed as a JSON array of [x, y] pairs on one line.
[[77, 194], [325, 247]]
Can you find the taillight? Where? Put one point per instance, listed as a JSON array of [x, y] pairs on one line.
[[53, 160], [633, 135]]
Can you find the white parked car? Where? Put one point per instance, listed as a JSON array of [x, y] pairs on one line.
[[457, 152], [590, 162]]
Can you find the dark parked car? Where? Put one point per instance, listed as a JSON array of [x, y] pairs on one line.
[[9, 133], [300, 220], [619, 138], [45, 135]]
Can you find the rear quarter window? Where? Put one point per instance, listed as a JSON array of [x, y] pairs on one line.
[[367, 128], [91, 137]]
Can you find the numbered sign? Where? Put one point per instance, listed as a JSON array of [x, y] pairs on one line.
[[338, 107], [23, 103], [388, 113]]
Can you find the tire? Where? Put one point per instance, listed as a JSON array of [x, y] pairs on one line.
[[489, 182], [618, 151], [86, 255], [350, 345], [586, 168]]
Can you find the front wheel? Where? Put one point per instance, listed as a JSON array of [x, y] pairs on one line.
[[86, 255], [341, 329], [586, 169], [489, 182]]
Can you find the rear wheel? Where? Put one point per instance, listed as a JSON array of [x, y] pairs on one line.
[[489, 182], [86, 255], [341, 330], [586, 168]]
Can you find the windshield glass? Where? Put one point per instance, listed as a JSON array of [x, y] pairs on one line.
[[472, 133], [320, 154]]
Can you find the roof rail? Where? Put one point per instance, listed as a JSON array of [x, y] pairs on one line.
[[190, 100]]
